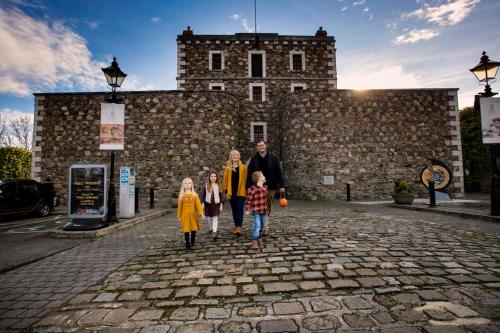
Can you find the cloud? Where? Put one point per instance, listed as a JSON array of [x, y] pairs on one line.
[[235, 17], [44, 55], [344, 9], [384, 76], [155, 19], [133, 82], [391, 26], [358, 2], [245, 25], [93, 24], [415, 35], [7, 114], [450, 13]]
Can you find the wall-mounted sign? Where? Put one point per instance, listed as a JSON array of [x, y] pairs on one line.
[[87, 191], [328, 180], [112, 126], [490, 119]]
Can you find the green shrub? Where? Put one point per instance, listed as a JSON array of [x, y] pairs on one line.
[[402, 187], [15, 163], [476, 155]]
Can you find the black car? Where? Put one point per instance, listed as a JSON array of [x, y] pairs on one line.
[[21, 196]]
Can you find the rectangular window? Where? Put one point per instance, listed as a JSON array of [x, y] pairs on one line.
[[215, 60], [297, 62], [256, 65], [216, 86], [257, 94], [258, 131], [298, 87]]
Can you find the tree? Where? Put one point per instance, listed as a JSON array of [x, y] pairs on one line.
[[22, 130], [476, 155], [15, 162], [5, 138]]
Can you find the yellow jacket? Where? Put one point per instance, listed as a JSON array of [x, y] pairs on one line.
[[242, 183]]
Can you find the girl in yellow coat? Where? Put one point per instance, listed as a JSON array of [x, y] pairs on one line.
[[189, 211]]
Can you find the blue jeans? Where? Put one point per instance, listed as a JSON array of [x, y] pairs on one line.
[[258, 225], [237, 206]]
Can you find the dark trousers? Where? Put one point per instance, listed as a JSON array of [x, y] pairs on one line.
[[237, 206]]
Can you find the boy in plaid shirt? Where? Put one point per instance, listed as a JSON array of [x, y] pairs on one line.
[[256, 202]]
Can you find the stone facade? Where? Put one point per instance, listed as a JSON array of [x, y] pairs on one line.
[[318, 72], [365, 138], [169, 135], [368, 139]]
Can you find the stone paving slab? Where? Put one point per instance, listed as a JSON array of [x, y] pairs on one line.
[[322, 270], [30, 292]]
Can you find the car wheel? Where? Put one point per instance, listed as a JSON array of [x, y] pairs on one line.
[[43, 209]]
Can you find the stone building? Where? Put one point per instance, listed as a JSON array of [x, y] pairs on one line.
[[232, 91]]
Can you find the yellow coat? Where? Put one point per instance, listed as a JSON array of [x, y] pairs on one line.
[[189, 211], [242, 183]]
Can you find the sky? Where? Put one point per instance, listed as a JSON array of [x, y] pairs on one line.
[[61, 45]]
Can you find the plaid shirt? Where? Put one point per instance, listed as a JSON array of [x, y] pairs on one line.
[[257, 200]]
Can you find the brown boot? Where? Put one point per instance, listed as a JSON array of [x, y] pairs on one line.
[[259, 242], [238, 231], [255, 245]]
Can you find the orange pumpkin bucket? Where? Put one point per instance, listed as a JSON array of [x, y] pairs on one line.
[[282, 200]]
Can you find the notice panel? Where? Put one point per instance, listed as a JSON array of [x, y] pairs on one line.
[[112, 126], [87, 191]]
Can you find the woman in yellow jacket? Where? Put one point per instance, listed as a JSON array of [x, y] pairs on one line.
[[234, 185]]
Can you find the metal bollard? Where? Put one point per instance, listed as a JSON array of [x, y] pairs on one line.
[[432, 194], [348, 189], [151, 198], [136, 203]]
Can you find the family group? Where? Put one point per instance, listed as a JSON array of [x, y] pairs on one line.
[[249, 189]]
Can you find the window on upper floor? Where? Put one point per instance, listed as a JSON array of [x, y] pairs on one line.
[[257, 92], [256, 64], [215, 60], [216, 86], [258, 131], [297, 61], [298, 86]]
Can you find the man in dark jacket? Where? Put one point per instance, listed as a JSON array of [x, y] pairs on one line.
[[269, 164]]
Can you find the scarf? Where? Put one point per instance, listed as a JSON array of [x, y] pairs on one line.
[[215, 191]]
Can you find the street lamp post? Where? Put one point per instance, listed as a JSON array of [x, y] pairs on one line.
[[114, 77], [486, 71]]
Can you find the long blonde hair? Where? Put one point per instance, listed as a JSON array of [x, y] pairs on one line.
[[183, 191], [229, 163]]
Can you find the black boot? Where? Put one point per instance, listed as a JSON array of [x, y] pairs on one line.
[[186, 237], [193, 237]]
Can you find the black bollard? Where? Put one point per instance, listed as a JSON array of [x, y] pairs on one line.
[[348, 189], [432, 194], [136, 203], [151, 198]]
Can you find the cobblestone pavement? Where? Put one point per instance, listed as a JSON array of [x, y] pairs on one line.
[[30, 292], [323, 269]]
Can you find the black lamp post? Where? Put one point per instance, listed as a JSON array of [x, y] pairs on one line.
[[115, 77], [486, 71]]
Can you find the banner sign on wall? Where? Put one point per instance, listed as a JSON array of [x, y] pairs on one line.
[[112, 126], [87, 191], [490, 119]]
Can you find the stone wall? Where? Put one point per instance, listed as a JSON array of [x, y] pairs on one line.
[[169, 136], [368, 139]]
